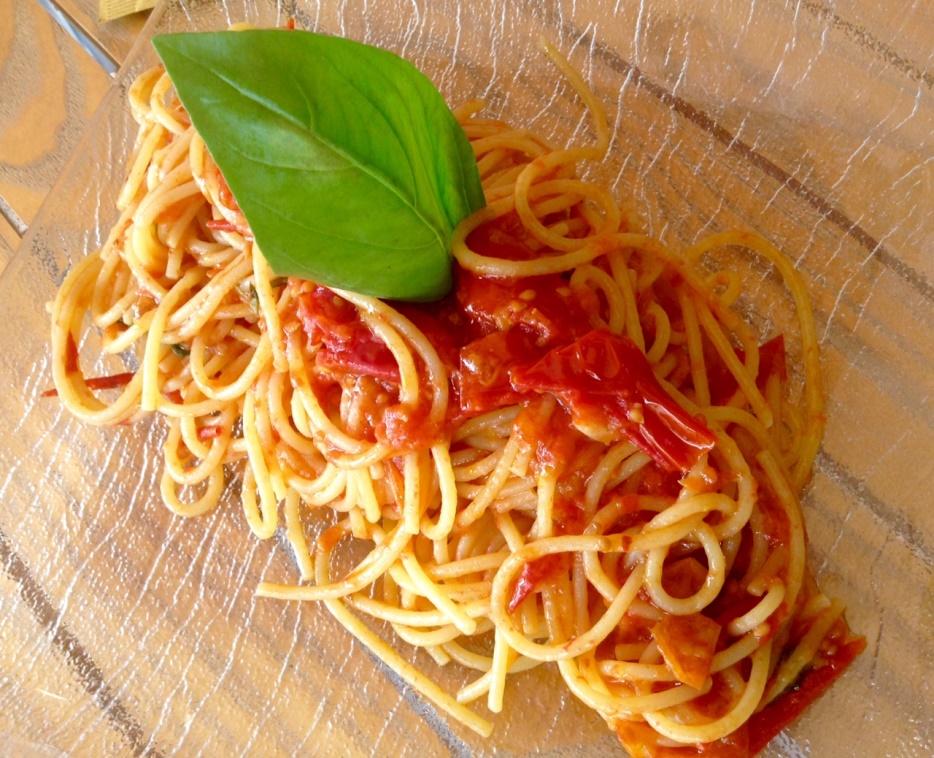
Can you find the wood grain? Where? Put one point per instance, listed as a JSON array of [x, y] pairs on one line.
[[117, 37], [240, 672], [779, 78], [9, 241], [41, 689], [51, 87], [125, 631]]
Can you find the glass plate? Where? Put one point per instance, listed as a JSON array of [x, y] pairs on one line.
[[127, 631]]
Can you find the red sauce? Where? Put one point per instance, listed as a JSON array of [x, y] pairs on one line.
[[642, 741], [732, 602], [483, 378], [547, 430], [606, 382], [224, 193], [175, 396], [99, 383], [767, 723], [346, 344], [684, 577], [752, 737], [536, 341], [533, 574], [71, 354], [508, 341], [772, 362], [223, 225], [206, 433]]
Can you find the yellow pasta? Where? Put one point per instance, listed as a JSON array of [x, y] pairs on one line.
[[510, 524]]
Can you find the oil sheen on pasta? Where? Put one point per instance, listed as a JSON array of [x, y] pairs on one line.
[[582, 457]]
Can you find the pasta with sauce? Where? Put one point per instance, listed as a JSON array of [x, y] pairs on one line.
[[581, 456]]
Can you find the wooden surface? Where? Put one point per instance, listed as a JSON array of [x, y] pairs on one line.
[[50, 88], [125, 631], [114, 37]]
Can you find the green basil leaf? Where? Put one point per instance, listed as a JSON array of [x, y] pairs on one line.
[[345, 160]]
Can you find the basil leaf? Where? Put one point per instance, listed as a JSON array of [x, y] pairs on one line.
[[345, 160]]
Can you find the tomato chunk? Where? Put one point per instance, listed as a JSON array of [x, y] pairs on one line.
[[532, 575], [607, 385], [687, 643], [772, 362], [346, 343], [768, 722]]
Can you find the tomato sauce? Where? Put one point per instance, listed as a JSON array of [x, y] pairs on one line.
[[751, 738], [642, 741], [533, 574], [346, 344], [772, 362], [768, 722], [109, 382], [606, 381], [507, 341], [537, 342]]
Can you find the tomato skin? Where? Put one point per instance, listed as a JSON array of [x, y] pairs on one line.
[[483, 377], [533, 574], [506, 341], [509, 324], [772, 719], [772, 362], [483, 328], [606, 381], [346, 344], [546, 308], [99, 383], [642, 741]]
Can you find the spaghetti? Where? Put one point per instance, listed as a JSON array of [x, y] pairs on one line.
[[582, 455]]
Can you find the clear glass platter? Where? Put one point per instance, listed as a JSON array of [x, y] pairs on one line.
[[127, 631]]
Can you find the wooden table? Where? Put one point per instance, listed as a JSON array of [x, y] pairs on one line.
[[875, 144], [44, 107], [50, 87]]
